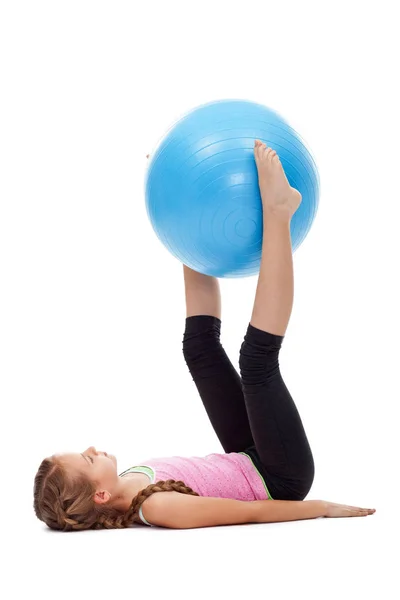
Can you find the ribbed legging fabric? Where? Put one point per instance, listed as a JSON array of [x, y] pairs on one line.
[[252, 412]]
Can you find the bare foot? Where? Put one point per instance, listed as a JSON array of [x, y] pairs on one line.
[[276, 193]]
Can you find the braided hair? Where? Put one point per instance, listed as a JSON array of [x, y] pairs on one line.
[[66, 503]]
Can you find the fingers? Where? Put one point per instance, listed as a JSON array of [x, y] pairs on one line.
[[345, 510], [359, 508], [361, 512]]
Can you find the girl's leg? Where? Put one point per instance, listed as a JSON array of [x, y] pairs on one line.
[[276, 425], [216, 379]]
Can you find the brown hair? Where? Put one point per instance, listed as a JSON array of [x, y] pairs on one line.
[[66, 503]]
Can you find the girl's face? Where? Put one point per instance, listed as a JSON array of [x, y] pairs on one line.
[[99, 467]]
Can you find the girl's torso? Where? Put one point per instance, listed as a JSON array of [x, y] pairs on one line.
[[231, 475], [228, 475]]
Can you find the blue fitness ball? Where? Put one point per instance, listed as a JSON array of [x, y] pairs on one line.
[[202, 194]]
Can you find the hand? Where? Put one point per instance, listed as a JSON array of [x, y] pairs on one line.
[[343, 510]]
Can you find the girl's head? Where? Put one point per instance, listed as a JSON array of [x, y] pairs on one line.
[[80, 491]]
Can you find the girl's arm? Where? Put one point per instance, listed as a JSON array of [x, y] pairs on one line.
[[183, 511]]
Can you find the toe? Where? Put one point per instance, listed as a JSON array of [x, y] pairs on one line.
[[261, 150], [270, 153]]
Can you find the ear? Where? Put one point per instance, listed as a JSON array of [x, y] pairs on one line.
[[102, 496]]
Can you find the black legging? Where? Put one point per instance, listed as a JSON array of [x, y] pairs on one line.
[[254, 413]]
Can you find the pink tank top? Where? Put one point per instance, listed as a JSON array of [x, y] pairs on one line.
[[232, 475]]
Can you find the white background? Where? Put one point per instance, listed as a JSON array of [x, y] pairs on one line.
[[92, 305]]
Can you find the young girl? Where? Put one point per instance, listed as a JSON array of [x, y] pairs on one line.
[[267, 467]]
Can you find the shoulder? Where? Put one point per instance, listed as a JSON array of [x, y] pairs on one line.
[[184, 511]]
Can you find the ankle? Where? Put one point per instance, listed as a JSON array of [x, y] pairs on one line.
[[280, 216]]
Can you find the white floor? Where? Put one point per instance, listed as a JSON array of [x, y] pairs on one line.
[[320, 558]]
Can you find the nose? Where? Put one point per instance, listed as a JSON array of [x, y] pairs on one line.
[[92, 450]]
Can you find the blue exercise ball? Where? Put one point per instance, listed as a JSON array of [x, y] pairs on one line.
[[202, 194]]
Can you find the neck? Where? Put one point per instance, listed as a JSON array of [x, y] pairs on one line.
[[129, 487]]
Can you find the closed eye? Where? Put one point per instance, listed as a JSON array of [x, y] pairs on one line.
[[85, 458]]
